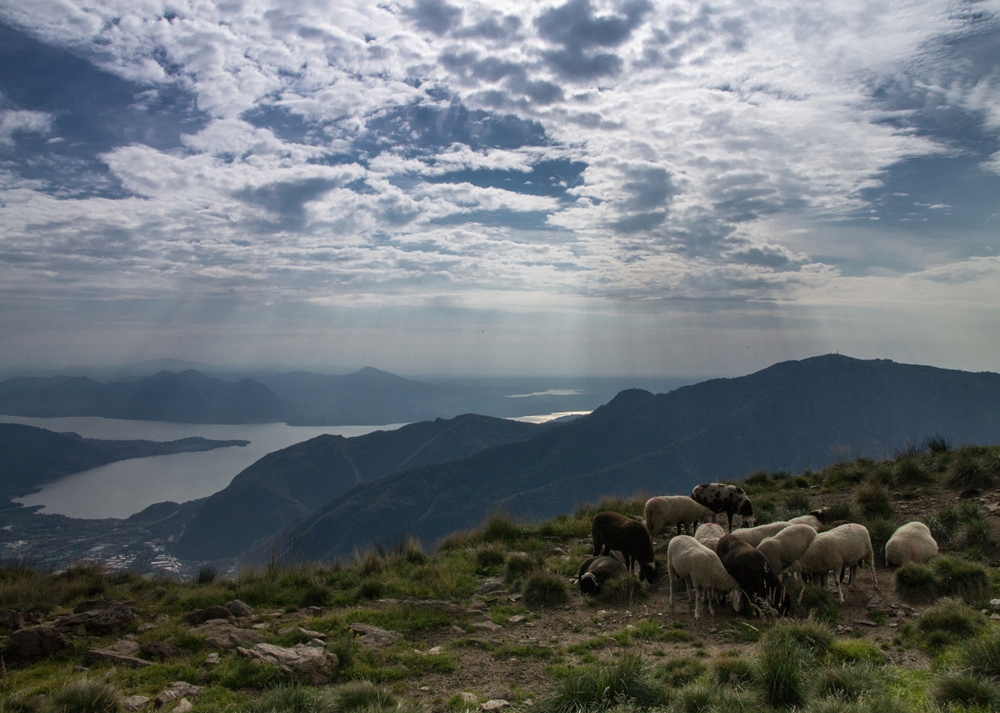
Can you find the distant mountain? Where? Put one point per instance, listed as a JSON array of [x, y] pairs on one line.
[[288, 484], [185, 397], [794, 415], [31, 457]]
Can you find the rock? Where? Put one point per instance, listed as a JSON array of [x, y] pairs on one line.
[[995, 604], [494, 704], [220, 634], [468, 697], [183, 706], [177, 689], [116, 658], [161, 650], [865, 622], [490, 585], [125, 647], [374, 636], [11, 620], [501, 693], [143, 628], [212, 659], [239, 609], [200, 616], [517, 619], [486, 626], [155, 595], [93, 605], [310, 633], [134, 703], [36, 642], [313, 662]]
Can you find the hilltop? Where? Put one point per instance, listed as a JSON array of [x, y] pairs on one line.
[[492, 615]]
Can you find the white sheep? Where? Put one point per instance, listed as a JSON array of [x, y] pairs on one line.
[[663, 510], [911, 542], [810, 520], [753, 536], [846, 546], [691, 561], [709, 534], [784, 549]]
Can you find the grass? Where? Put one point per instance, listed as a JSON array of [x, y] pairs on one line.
[[909, 470], [293, 699], [942, 576], [734, 671], [967, 691], [781, 680], [604, 686], [86, 695], [519, 567], [622, 591], [949, 621], [880, 530], [679, 672], [874, 501], [544, 589], [967, 470], [981, 656]]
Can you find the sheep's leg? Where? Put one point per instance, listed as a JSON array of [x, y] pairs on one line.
[[710, 595], [670, 576], [840, 592], [697, 600], [871, 568]]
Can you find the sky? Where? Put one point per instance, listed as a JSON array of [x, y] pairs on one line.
[[473, 188]]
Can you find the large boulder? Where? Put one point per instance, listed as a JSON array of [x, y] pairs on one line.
[[36, 642], [200, 616], [310, 661], [100, 616], [220, 634]]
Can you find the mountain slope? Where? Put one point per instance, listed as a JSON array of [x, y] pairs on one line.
[[187, 397], [288, 484], [793, 415]]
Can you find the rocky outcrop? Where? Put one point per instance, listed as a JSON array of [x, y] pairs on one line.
[[36, 642], [375, 637], [220, 634], [310, 660], [100, 617], [177, 689]]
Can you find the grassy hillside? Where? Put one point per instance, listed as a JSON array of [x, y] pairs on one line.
[[492, 615]]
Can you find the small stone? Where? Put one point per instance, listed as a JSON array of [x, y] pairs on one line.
[[212, 658], [375, 636], [494, 704], [491, 584], [457, 629], [499, 694], [311, 634], [183, 706], [468, 697], [425, 688], [995, 604], [435, 650], [134, 703], [865, 622], [517, 619], [177, 689], [125, 647], [261, 626], [154, 595], [486, 626], [143, 628], [995, 617]]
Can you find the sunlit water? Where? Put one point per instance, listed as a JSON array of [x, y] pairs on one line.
[[129, 486], [123, 488]]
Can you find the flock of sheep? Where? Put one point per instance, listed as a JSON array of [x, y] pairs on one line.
[[750, 564]]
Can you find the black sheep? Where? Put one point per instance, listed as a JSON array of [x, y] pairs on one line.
[[611, 531], [595, 571], [748, 566]]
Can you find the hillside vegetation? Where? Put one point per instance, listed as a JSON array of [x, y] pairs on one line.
[[491, 620]]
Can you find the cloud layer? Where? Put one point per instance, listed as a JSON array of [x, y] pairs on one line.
[[676, 162]]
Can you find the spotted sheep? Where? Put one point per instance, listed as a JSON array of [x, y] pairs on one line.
[[723, 497]]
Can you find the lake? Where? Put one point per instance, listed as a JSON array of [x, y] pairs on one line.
[[129, 486]]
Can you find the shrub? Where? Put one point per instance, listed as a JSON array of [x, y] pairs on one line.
[[293, 699], [968, 691], [817, 603], [734, 671], [798, 503], [880, 530], [518, 567], [978, 538], [938, 444], [846, 682], [909, 471], [315, 595], [488, 558], [852, 651], [207, 574], [940, 533], [622, 590], [362, 695], [949, 621], [811, 636], [982, 657], [544, 589], [874, 501], [781, 679], [842, 511], [601, 687], [413, 551], [87, 695], [679, 672], [965, 471], [370, 589], [500, 527], [957, 577]]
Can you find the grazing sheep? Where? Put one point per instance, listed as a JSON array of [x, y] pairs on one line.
[[691, 561], [911, 542], [611, 531], [722, 497], [753, 536], [845, 546], [664, 510], [709, 534], [756, 581], [784, 549], [816, 519], [595, 571]]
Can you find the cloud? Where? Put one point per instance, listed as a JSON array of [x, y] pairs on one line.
[[435, 16]]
